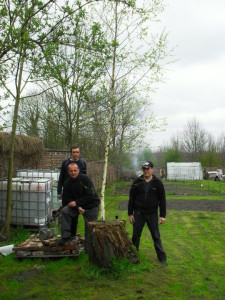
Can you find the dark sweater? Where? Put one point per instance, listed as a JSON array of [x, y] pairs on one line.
[[80, 190], [64, 175], [147, 200]]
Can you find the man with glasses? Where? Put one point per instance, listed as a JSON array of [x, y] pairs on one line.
[[147, 194]]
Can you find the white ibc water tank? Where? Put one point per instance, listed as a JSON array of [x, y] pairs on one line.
[[31, 201]]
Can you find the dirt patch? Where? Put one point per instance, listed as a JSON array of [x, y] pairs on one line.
[[199, 205], [36, 270]]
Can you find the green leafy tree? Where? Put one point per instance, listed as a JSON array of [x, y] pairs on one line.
[[145, 155], [210, 158], [30, 33], [77, 69], [173, 155]]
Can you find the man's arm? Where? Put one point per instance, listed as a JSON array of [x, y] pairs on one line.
[[131, 219], [84, 169], [88, 192], [162, 202], [131, 200]]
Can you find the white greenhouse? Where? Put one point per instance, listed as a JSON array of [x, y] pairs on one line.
[[184, 171]]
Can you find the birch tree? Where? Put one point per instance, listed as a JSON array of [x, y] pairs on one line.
[[137, 55]]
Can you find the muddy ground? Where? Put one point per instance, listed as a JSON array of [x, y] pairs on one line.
[[199, 205]]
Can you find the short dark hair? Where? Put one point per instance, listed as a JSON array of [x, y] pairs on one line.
[[74, 147]]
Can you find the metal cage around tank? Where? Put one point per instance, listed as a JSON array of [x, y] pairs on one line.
[[31, 201]]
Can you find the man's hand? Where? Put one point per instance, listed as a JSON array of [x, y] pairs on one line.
[[131, 219], [59, 196], [72, 204], [161, 220], [81, 210]]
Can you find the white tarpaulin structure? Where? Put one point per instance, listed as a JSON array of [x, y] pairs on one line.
[[184, 171]]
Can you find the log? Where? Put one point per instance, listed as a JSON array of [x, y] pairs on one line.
[[107, 240]]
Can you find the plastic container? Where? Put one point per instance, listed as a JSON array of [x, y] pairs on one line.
[[44, 173], [38, 173], [56, 203], [31, 201]]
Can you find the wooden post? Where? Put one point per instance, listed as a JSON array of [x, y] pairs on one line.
[[109, 239]]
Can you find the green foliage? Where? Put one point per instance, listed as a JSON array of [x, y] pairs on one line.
[[210, 159], [173, 155], [145, 155]]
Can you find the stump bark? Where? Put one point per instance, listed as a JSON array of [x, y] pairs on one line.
[[107, 240]]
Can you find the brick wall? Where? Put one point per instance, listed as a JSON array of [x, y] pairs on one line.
[[52, 159]]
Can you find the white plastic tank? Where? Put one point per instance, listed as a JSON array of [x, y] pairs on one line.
[[31, 201]]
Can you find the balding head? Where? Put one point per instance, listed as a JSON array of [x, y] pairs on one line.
[[73, 170]]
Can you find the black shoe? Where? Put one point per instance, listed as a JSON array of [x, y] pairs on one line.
[[62, 241], [163, 262]]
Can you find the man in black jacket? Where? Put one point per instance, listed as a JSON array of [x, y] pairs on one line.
[[146, 195], [79, 197], [64, 175]]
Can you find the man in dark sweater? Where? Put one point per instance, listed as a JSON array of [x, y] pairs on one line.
[[75, 157], [146, 195], [79, 197], [64, 175]]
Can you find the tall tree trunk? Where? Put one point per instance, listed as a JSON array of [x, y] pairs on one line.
[[77, 129], [6, 226], [109, 121], [121, 154]]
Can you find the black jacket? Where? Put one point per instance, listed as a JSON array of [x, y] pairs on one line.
[[64, 175], [147, 202], [80, 190]]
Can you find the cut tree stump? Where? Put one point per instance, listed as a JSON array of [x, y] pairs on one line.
[[107, 240]]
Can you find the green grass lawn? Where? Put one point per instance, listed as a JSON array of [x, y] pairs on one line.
[[194, 243]]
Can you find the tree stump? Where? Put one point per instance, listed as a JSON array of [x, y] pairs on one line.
[[109, 239]]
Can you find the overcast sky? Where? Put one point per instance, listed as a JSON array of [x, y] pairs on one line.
[[195, 85]]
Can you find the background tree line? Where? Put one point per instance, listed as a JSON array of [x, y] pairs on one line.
[[68, 97], [192, 144]]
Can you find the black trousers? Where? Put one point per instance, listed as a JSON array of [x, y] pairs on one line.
[[69, 213], [153, 226], [74, 223]]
